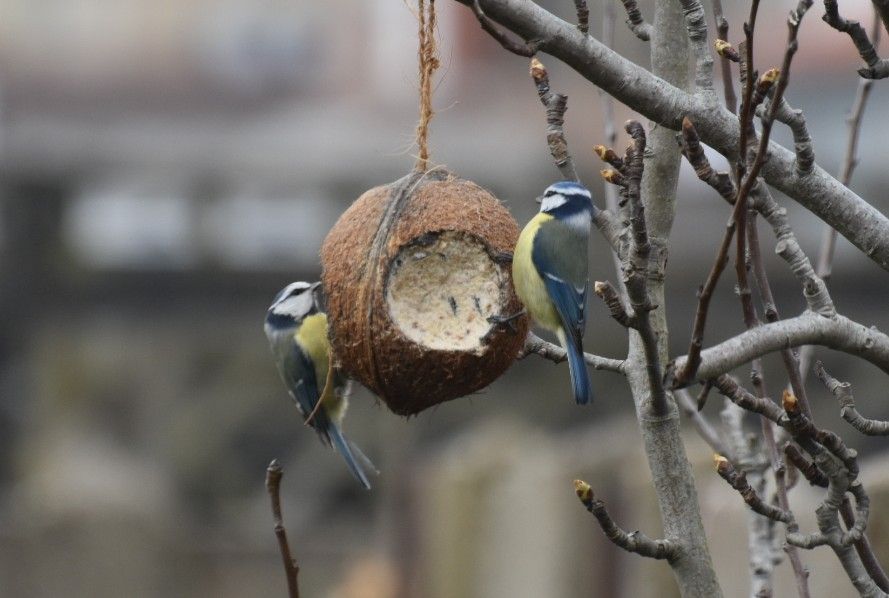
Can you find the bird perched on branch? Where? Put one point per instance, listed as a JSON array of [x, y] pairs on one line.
[[297, 331], [551, 274]]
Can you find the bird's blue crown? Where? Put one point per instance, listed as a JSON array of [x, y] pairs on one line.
[[293, 303], [566, 196]]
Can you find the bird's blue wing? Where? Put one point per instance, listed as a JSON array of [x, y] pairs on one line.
[[559, 254], [303, 385], [304, 388]]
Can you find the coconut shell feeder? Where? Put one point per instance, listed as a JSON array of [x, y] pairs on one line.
[[412, 272], [417, 273]]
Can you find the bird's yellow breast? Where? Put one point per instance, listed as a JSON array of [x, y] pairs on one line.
[[528, 284], [311, 336]]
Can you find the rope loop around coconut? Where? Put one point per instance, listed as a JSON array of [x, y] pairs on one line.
[[428, 56], [399, 194]]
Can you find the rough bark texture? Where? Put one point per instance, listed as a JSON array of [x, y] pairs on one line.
[[666, 104], [839, 333], [670, 470], [662, 94]]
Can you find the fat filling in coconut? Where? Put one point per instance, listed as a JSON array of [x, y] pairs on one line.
[[443, 288]]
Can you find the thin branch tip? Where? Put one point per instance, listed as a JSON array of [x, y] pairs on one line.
[[273, 474]]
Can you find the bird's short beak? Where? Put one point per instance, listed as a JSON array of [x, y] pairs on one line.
[[316, 298], [539, 199]]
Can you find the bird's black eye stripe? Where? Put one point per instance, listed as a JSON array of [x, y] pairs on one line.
[[549, 193]]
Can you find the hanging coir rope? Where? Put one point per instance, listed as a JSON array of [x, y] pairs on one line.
[[413, 273], [428, 55]]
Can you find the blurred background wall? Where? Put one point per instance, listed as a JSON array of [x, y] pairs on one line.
[[166, 166]]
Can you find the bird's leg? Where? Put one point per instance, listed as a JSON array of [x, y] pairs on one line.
[[498, 322]]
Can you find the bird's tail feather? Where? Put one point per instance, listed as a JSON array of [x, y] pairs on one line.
[[344, 448], [580, 380]]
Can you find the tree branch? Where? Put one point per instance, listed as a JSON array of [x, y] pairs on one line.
[[636, 270], [670, 470], [523, 48], [704, 428], [738, 481], [273, 475], [636, 542], [762, 549], [806, 467], [610, 133], [829, 234], [696, 24], [635, 22], [814, 290], [840, 466], [802, 141], [839, 333], [876, 68], [854, 218], [722, 45], [583, 16], [555, 104], [843, 393], [536, 345]]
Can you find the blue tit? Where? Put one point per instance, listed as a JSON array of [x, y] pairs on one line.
[[551, 274], [297, 331]]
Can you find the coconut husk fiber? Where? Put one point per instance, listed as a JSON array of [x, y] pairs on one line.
[[411, 271]]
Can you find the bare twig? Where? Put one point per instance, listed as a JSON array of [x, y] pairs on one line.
[[814, 288], [704, 428], [273, 475], [843, 393], [753, 463], [654, 98], [788, 248], [632, 542], [802, 141], [609, 295], [876, 68], [610, 134], [747, 177], [829, 234], [705, 292], [728, 82], [738, 481], [806, 467], [839, 465], [696, 25], [635, 22], [864, 548], [524, 48], [703, 394], [825, 259], [555, 104], [729, 388], [583, 16], [536, 345], [691, 147], [636, 269]]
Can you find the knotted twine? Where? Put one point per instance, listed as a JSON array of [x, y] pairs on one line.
[[428, 56]]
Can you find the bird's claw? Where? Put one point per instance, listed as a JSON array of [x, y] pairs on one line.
[[500, 322]]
